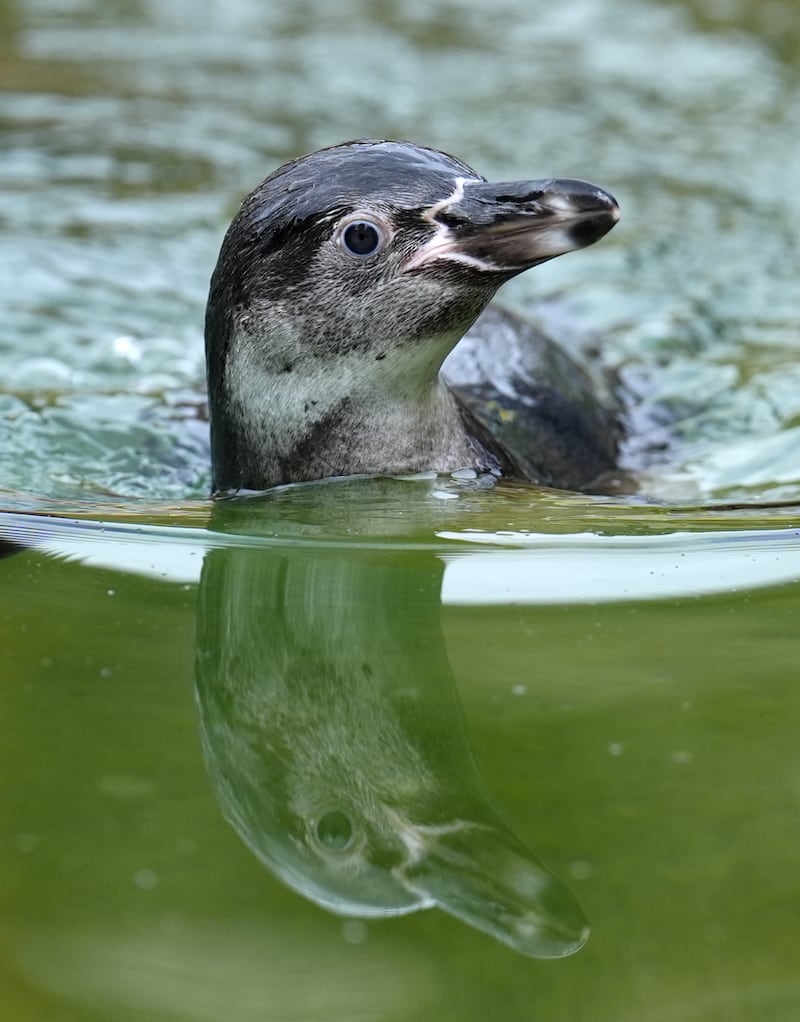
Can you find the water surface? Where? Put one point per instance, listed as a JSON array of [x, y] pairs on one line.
[[607, 688]]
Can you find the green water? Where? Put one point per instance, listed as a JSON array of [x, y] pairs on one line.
[[643, 749], [521, 709]]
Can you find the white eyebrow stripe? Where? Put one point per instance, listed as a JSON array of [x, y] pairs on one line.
[[455, 196], [440, 245]]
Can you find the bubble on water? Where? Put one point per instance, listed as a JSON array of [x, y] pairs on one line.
[[354, 931], [125, 786], [127, 348], [27, 843], [580, 869], [146, 879]]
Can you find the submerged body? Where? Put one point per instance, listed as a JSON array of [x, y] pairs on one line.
[[345, 281]]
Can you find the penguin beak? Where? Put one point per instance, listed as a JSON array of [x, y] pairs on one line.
[[482, 875], [508, 227]]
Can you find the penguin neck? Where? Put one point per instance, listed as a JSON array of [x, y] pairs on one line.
[[377, 411]]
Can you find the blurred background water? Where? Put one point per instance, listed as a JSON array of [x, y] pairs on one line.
[[627, 669], [131, 130]]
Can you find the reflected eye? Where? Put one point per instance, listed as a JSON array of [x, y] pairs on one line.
[[361, 238], [335, 831]]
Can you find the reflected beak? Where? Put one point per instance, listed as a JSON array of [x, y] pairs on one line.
[[508, 227], [483, 875]]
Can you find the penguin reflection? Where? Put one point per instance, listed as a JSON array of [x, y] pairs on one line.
[[334, 740]]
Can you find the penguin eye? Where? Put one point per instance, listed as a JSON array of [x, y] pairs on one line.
[[334, 831], [362, 238]]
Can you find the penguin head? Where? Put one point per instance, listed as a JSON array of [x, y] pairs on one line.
[[348, 276], [390, 242]]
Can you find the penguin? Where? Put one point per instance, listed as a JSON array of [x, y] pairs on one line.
[[343, 284], [337, 750]]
